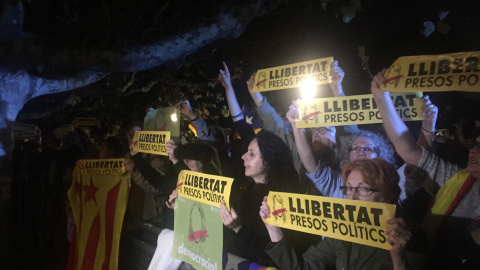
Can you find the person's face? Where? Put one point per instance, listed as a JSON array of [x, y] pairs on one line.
[[354, 180], [473, 166], [324, 135], [192, 164], [362, 148], [253, 162]]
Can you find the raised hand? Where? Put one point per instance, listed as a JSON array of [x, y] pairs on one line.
[[337, 74], [171, 199], [293, 113], [224, 76], [171, 146]]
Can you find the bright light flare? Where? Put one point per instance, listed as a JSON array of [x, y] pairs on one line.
[[308, 89], [174, 117]]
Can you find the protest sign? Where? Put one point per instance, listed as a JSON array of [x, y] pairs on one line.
[[198, 234], [153, 142], [22, 131], [355, 110], [293, 75], [163, 119], [445, 72], [206, 188], [98, 197], [350, 220]]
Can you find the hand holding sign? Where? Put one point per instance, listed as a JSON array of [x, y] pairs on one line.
[[274, 231], [377, 81], [186, 109], [171, 199], [256, 96], [430, 112], [293, 113], [251, 82], [171, 151], [336, 74], [230, 218], [398, 236]]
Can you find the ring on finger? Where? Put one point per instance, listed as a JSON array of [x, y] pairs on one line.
[[397, 233]]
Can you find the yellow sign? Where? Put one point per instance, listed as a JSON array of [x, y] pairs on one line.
[[101, 166], [350, 220], [355, 110], [205, 188], [445, 72], [153, 142], [291, 76]]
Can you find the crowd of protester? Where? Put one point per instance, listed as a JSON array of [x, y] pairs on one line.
[[391, 166]]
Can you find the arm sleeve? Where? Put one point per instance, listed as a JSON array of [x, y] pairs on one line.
[[148, 178], [327, 181], [274, 123], [438, 169], [203, 132], [321, 256]]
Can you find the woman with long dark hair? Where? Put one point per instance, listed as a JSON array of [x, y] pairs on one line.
[[269, 166]]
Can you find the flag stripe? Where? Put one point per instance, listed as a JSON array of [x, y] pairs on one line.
[[110, 212], [92, 244]]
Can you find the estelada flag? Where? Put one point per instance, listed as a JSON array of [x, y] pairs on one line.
[[251, 120], [98, 198]]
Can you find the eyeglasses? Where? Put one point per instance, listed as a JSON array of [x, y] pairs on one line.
[[321, 130], [360, 191], [366, 149]]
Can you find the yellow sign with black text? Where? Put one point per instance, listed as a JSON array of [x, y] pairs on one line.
[[292, 76], [349, 220], [101, 166], [152, 142], [205, 188], [355, 110], [434, 73]]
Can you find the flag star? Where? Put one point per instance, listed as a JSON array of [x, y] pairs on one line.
[[90, 191], [249, 120]]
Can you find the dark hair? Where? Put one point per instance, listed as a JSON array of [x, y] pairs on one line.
[[280, 173], [205, 154], [378, 174]]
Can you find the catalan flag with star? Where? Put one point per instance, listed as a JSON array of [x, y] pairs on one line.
[[98, 198]]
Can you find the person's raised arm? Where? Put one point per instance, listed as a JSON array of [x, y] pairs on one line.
[[256, 96], [244, 129], [427, 134], [203, 131], [235, 110], [305, 152], [396, 129], [337, 74]]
